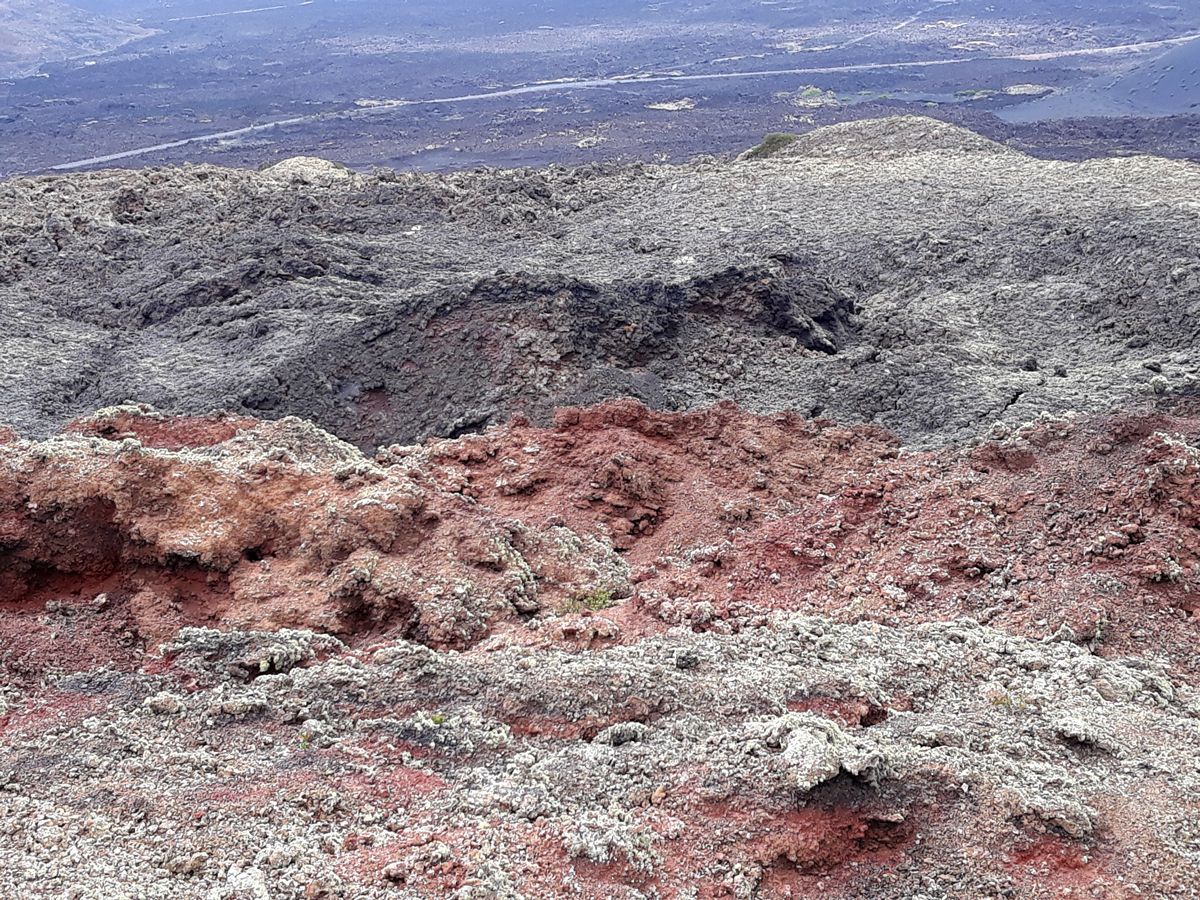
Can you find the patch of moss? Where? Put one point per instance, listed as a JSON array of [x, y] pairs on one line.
[[771, 145], [595, 600]]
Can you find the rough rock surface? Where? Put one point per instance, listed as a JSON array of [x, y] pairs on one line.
[[269, 526], [901, 272], [635, 654], [910, 613], [686, 765]]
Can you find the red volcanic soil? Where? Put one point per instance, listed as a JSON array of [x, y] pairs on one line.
[[569, 660], [1089, 525], [134, 525]]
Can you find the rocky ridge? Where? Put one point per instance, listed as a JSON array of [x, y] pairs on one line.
[[902, 272]]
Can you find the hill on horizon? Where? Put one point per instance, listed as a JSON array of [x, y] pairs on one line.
[[33, 32], [1168, 85]]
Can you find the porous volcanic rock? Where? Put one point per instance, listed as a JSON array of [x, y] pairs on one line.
[[634, 654], [1082, 530], [799, 758], [902, 272], [142, 525]]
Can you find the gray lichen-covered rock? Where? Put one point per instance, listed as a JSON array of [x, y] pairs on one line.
[[430, 769], [902, 271]]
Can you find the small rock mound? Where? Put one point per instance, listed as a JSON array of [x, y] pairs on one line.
[[310, 170], [890, 138]]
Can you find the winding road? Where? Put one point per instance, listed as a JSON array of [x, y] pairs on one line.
[[548, 87]]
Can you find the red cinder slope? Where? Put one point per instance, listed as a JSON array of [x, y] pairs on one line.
[[635, 654], [1084, 529]]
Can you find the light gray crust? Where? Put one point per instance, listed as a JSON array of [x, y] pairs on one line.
[[1003, 733], [900, 271]]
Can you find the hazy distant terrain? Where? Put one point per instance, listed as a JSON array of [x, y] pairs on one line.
[[452, 84], [1165, 85], [35, 31]]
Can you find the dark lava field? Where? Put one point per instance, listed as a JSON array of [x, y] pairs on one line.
[[451, 85]]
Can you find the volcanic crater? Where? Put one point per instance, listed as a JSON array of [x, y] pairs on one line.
[[824, 525]]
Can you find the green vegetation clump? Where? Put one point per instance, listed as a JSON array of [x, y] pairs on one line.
[[974, 94], [1004, 700], [771, 145], [594, 600]]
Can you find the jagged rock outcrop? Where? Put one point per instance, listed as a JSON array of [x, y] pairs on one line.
[[633, 654], [901, 272], [269, 526]]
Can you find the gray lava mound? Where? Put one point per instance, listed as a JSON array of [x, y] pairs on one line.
[[902, 272]]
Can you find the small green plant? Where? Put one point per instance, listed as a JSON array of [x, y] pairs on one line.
[[594, 600], [974, 94], [438, 718], [771, 145], [1005, 700]]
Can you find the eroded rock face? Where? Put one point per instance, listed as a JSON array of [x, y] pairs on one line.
[[1083, 530], [270, 525], [902, 272], [632, 654], [396, 770]]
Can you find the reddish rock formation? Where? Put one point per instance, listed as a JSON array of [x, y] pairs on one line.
[[559, 732], [1088, 525], [712, 519], [258, 525]]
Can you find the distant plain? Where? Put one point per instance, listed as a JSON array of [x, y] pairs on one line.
[[456, 84]]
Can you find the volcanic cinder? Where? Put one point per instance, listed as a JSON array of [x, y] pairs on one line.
[[902, 272], [826, 526]]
